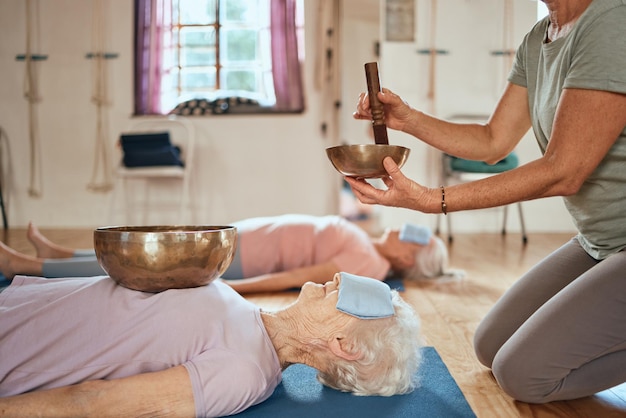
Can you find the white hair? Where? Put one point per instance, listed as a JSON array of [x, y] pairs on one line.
[[430, 261], [390, 349]]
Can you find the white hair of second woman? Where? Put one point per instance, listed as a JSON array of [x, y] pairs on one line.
[[430, 261], [390, 349]]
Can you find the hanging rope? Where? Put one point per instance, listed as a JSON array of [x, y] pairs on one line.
[[101, 180], [31, 93]]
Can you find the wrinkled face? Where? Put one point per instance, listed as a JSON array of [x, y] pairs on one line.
[[317, 304], [321, 295], [401, 254]]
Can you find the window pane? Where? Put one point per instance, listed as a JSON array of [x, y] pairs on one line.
[[198, 46], [203, 36], [194, 57], [240, 80], [240, 11], [197, 78], [197, 12], [239, 45]]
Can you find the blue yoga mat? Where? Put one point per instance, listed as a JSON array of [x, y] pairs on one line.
[[395, 283], [301, 395], [4, 282]]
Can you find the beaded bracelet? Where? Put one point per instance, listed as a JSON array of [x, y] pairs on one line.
[[444, 207]]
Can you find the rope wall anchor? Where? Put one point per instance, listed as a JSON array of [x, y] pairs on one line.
[[31, 93]]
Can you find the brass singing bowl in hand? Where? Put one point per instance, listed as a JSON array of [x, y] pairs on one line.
[[365, 161], [157, 258]]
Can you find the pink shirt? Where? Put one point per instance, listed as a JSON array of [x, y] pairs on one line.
[[57, 332], [281, 243]]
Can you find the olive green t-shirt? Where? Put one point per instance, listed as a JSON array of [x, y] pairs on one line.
[[591, 56]]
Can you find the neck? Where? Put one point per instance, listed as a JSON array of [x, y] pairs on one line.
[[289, 339], [563, 16]]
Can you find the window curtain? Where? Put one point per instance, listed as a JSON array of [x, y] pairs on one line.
[[285, 62], [152, 38]]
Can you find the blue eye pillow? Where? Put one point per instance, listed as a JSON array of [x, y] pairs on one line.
[[364, 297], [417, 234]]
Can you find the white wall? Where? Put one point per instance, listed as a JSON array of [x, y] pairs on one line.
[[246, 166]]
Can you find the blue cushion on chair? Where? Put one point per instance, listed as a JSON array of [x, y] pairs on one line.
[[150, 149], [509, 162], [167, 155]]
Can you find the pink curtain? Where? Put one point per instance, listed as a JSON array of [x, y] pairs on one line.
[[152, 37], [285, 62]]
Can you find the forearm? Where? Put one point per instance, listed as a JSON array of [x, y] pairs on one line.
[[69, 401], [531, 181], [159, 394], [276, 282], [471, 141]]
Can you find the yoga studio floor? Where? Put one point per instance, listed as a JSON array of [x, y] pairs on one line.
[[450, 312]]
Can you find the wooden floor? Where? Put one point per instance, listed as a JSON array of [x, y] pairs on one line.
[[450, 312]]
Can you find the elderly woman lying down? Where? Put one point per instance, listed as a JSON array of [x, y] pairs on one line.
[[86, 346], [274, 253]]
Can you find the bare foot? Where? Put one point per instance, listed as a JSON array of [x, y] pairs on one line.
[[44, 247], [12, 263]]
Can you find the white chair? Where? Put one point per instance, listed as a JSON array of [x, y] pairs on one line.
[[450, 176], [182, 134]]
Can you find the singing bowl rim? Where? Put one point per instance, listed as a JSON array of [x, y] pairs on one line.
[[164, 229], [366, 169], [183, 267]]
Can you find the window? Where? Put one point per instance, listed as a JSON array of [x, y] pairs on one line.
[[220, 51]]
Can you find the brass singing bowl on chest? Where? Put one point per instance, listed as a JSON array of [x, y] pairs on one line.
[[157, 258], [365, 161]]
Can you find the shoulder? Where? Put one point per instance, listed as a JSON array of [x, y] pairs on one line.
[[527, 54], [604, 20], [596, 60], [599, 8], [536, 35]]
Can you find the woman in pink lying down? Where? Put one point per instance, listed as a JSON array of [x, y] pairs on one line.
[[274, 253]]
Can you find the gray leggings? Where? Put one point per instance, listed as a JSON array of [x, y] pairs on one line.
[[83, 264], [560, 331]]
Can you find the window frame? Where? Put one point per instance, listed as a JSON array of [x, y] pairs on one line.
[[167, 45]]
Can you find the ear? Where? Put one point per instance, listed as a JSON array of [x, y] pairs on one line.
[[343, 347]]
